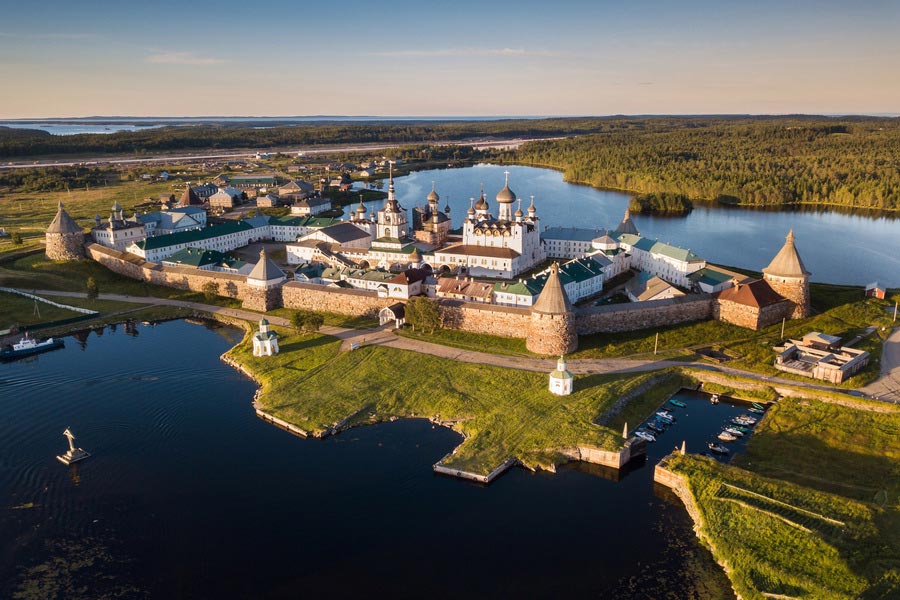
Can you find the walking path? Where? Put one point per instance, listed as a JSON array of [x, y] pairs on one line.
[[886, 388]]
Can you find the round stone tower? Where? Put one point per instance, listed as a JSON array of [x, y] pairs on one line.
[[65, 239], [787, 275], [552, 327]]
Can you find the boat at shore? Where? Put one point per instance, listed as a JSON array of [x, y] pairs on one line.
[[735, 431], [727, 437], [677, 403], [647, 437], [759, 406], [28, 346], [717, 448]]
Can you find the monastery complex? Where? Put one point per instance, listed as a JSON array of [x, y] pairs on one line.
[[498, 273]]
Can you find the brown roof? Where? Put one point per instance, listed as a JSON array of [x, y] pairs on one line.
[[787, 262], [553, 299], [409, 276], [472, 250], [450, 286], [757, 293], [189, 197], [63, 223]]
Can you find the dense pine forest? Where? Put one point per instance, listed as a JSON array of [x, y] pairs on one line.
[[782, 161]]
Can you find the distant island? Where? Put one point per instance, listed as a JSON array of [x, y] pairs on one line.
[[662, 203]]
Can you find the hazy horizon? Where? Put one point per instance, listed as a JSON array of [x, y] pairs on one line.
[[408, 59]]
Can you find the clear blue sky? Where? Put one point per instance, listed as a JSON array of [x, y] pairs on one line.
[[65, 58]]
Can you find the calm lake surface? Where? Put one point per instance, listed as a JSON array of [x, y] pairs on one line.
[[76, 128], [189, 495], [836, 247]]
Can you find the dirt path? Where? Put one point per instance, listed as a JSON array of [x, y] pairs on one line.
[[887, 387], [385, 337]]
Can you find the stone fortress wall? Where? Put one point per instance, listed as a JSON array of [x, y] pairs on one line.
[[614, 318]]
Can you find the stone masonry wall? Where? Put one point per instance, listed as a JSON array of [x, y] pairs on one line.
[[490, 319], [310, 296], [65, 246], [183, 278], [794, 289], [643, 315], [552, 334], [750, 316]]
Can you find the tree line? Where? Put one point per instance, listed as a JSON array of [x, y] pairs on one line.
[[775, 161]]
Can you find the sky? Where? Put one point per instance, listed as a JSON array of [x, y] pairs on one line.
[[438, 58]]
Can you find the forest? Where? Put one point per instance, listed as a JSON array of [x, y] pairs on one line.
[[661, 203], [782, 161]]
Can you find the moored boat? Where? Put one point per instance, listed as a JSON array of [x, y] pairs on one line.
[[28, 346], [677, 403], [759, 406], [758, 411], [717, 448], [734, 431], [726, 437], [647, 437], [655, 428], [665, 415]]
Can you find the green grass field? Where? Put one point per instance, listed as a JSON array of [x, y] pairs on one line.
[[772, 516], [501, 413], [18, 310]]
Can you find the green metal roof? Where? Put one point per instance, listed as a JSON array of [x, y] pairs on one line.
[[709, 276], [196, 235], [196, 257]]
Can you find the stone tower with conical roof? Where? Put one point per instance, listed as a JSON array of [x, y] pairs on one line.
[[552, 327], [787, 275], [627, 225], [264, 285], [65, 239]]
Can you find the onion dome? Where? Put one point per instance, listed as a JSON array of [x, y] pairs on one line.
[[414, 256], [471, 211], [433, 196], [519, 212], [531, 208], [506, 195], [361, 209], [447, 209]]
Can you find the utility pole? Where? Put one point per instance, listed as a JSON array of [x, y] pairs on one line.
[[783, 319], [656, 343], [895, 311]]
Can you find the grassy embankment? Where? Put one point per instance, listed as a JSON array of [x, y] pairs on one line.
[[501, 412], [19, 310], [812, 509], [839, 310]]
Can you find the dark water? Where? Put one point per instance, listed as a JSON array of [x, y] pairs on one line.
[[697, 424], [836, 247], [189, 495]]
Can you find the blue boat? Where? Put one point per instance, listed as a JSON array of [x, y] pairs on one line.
[[28, 346], [677, 403]]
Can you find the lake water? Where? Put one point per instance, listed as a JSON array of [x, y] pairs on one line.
[[76, 128], [189, 495], [836, 247]]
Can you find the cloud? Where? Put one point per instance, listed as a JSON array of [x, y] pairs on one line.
[[466, 52], [181, 58]]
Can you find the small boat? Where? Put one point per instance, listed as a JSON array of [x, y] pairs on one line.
[[727, 437], [745, 420], [647, 437], [677, 403], [741, 428], [665, 415], [655, 428], [734, 431], [28, 346], [717, 448], [714, 399], [741, 422], [759, 406], [758, 411]]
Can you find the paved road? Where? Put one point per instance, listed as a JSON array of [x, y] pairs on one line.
[[385, 337], [113, 160], [887, 387]]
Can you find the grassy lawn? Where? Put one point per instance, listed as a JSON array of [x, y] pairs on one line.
[[832, 448], [821, 459], [500, 412], [673, 339], [780, 538], [19, 310], [464, 340], [37, 272], [333, 319]]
